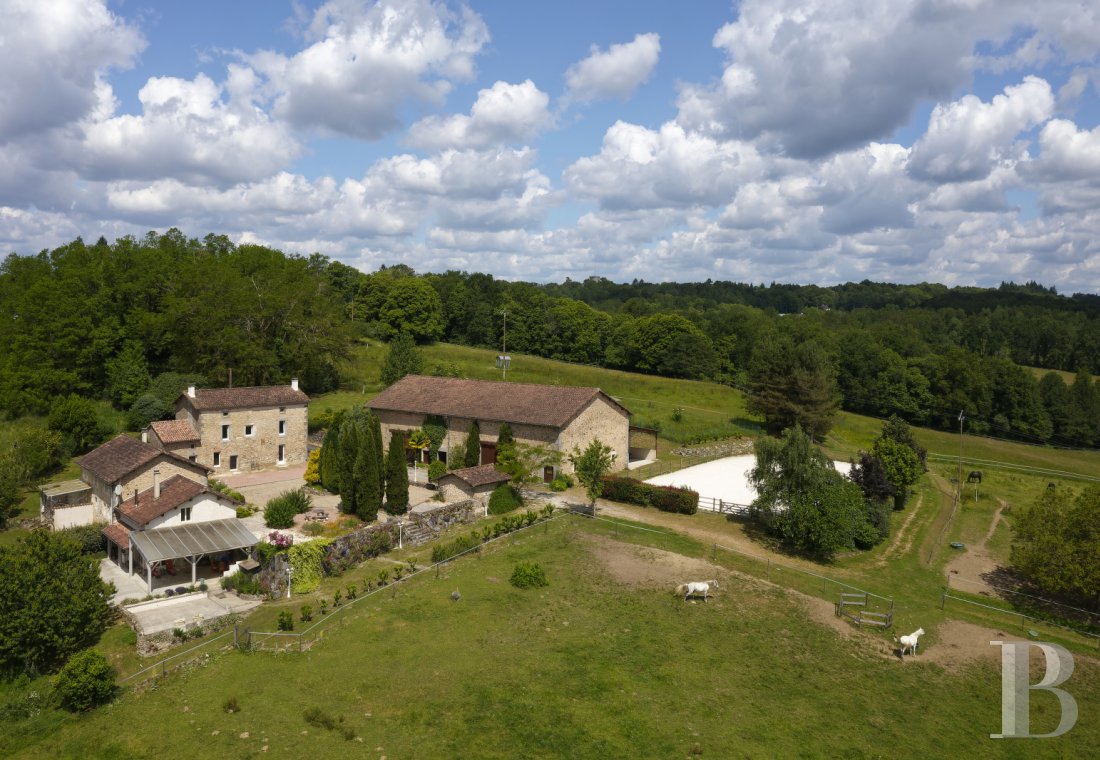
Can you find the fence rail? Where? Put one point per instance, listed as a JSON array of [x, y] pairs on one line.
[[1022, 616], [711, 504], [1010, 466]]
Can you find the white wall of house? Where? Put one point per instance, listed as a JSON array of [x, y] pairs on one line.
[[71, 517], [204, 508]]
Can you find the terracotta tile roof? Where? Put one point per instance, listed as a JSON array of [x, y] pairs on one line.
[[175, 491], [481, 475], [175, 431], [118, 533], [118, 457], [121, 455], [212, 399], [524, 403]]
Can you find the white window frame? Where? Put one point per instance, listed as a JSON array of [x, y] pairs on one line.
[[185, 514], [282, 453], [282, 427], [250, 430], [227, 431], [217, 459]]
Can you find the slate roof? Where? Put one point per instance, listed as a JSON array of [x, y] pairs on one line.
[[118, 533], [525, 403], [215, 399], [121, 455], [175, 491], [175, 431], [483, 474]]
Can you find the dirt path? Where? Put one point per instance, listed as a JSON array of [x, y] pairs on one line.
[[902, 541], [970, 568]]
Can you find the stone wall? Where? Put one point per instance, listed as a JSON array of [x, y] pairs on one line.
[[438, 520], [259, 450], [600, 419]]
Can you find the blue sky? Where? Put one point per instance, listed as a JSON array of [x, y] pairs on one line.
[[820, 141]]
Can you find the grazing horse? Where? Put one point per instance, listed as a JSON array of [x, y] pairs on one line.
[[696, 587], [910, 642]]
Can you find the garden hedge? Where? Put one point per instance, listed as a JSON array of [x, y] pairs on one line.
[[665, 498]]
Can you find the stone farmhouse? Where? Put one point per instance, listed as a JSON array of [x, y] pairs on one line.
[[560, 417], [237, 429], [108, 474]]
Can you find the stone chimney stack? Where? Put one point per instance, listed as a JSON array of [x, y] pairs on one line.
[[156, 484], [145, 436], [294, 383], [191, 391]]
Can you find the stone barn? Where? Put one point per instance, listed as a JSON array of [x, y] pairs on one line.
[[475, 483], [559, 417]]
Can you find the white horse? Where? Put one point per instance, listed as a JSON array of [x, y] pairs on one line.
[[910, 642], [697, 587]]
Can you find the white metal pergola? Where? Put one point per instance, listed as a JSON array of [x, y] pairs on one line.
[[191, 542]]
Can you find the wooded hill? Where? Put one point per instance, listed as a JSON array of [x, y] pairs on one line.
[[99, 320]]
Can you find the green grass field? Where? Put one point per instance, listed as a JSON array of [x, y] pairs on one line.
[[590, 667]]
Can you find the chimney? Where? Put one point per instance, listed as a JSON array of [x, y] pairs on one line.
[[191, 391], [156, 484], [145, 436], [293, 383]]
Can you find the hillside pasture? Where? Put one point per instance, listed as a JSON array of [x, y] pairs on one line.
[[605, 662]]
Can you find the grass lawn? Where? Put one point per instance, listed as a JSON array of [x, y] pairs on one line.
[[591, 667]]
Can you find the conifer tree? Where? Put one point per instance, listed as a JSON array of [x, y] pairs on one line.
[[347, 455], [473, 446], [368, 476], [397, 476]]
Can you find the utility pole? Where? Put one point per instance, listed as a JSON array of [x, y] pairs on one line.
[[504, 361], [961, 418]]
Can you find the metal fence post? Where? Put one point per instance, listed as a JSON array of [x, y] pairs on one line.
[[943, 599]]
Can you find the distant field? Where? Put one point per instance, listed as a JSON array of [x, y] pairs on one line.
[[603, 663]]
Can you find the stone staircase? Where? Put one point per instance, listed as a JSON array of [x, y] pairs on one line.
[[415, 534]]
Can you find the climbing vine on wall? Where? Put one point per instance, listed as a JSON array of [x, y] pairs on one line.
[[305, 559]]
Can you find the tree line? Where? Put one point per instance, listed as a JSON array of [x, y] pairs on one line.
[[131, 320]]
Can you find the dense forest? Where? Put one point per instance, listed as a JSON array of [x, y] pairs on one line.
[[106, 320]]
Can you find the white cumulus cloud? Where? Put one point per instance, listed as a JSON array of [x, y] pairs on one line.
[[502, 113], [52, 56], [966, 139], [616, 72], [367, 60]]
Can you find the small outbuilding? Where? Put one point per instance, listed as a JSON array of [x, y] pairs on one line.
[[472, 483]]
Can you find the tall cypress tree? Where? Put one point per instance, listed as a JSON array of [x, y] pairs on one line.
[[397, 476], [347, 453], [377, 452], [368, 476], [473, 446], [330, 457]]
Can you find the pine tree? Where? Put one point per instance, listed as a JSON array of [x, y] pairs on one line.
[[473, 446], [397, 476]]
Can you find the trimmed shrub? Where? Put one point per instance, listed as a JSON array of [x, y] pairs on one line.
[[665, 498], [85, 681], [528, 575], [90, 537], [312, 474], [559, 483], [286, 621], [436, 470], [504, 499], [307, 613], [222, 488]]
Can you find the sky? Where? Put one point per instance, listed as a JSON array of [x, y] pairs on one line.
[[822, 141]]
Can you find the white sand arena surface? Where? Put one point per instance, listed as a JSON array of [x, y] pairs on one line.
[[726, 479]]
